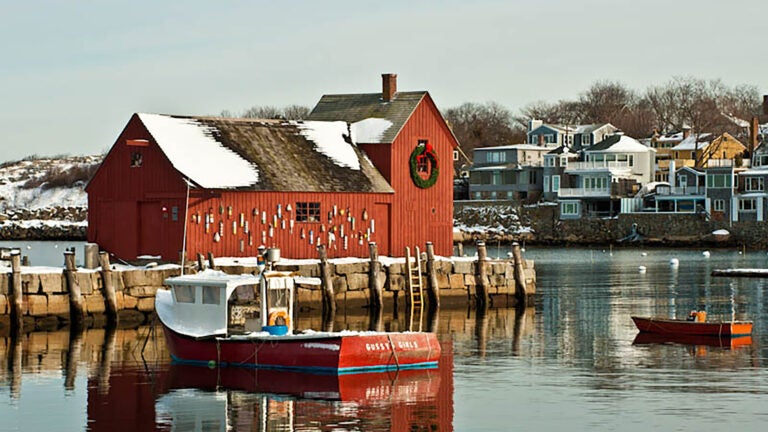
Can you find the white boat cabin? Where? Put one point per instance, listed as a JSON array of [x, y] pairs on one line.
[[215, 303]]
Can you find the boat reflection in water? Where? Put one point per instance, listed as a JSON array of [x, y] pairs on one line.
[[726, 342], [264, 400]]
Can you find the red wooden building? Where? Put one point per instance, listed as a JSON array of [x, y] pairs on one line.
[[363, 167]]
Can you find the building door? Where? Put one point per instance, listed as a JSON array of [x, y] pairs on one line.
[[150, 228], [381, 216]]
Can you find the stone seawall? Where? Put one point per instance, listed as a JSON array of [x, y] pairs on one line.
[[45, 301], [662, 229]]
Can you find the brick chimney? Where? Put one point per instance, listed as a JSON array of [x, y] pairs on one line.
[[765, 106], [388, 86], [754, 130], [686, 131]]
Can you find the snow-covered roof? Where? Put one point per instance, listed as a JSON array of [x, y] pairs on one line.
[[690, 142], [268, 155], [619, 144], [195, 153]]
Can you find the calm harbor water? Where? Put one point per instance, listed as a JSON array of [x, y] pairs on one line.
[[571, 361]]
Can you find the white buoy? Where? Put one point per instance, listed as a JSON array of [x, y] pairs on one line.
[[674, 262], [644, 254], [29, 247], [705, 253], [641, 269]]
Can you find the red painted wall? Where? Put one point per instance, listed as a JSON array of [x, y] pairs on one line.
[[423, 215]]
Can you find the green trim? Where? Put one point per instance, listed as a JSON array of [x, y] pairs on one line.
[[417, 180]]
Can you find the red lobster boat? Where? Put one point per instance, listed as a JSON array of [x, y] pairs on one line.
[[698, 326], [215, 319]]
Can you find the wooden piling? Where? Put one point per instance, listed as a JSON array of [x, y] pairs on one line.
[[16, 294], [110, 297], [76, 307], [433, 290], [72, 357], [90, 255], [460, 249], [15, 352], [210, 261], [481, 275], [25, 260], [107, 353], [520, 288], [200, 262], [329, 302], [374, 285]]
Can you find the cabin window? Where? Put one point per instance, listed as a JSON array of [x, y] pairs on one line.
[[137, 159], [184, 293], [174, 213], [211, 295], [307, 212]]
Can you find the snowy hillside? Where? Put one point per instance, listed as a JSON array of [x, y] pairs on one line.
[[36, 184]]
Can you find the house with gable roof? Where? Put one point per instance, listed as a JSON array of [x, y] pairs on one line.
[[615, 168], [573, 136], [227, 186]]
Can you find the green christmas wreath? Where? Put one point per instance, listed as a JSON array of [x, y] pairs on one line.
[[422, 150]]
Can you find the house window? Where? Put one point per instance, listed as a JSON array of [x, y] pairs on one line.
[[586, 140], [496, 180], [455, 155], [555, 183], [477, 195], [549, 138], [549, 161], [596, 183], [748, 205], [307, 212], [493, 195], [137, 159], [752, 184], [569, 208], [718, 181], [546, 184], [510, 195], [563, 161], [719, 205]]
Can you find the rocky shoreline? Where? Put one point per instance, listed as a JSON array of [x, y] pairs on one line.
[[51, 223]]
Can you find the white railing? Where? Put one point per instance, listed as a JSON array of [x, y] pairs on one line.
[[687, 190], [713, 163], [591, 165], [583, 192]]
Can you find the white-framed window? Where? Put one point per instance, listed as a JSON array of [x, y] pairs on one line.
[[549, 138], [555, 183], [455, 155], [563, 161], [496, 178], [569, 208], [748, 205], [510, 195], [546, 184], [719, 205], [752, 184], [493, 195], [596, 183], [718, 181], [569, 139], [477, 195], [549, 161], [586, 139], [496, 157]]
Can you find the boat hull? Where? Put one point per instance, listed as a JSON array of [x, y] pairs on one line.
[[683, 327], [334, 353], [729, 342]]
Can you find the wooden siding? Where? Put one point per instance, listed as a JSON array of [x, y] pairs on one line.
[[359, 218], [118, 191], [422, 215]]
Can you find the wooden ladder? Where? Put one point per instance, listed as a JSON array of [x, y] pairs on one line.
[[414, 286]]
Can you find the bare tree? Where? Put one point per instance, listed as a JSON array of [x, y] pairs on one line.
[[290, 112], [482, 125], [296, 112]]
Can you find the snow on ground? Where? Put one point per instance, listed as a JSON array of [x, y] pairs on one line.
[[14, 175]]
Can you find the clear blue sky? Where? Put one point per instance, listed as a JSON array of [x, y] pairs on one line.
[[72, 72]]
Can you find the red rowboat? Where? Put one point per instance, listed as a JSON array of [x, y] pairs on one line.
[[700, 328], [212, 318]]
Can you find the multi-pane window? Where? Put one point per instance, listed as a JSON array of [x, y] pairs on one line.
[[598, 183], [752, 184], [307, 212], [718, 180], [555, 183], [748, 205], [546, 183], [569, 208], [719, 205]]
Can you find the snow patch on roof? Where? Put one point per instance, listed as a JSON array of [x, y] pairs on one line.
[[690, 142], [329, 140], [369, 130], [193, 150], [628, 145]]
